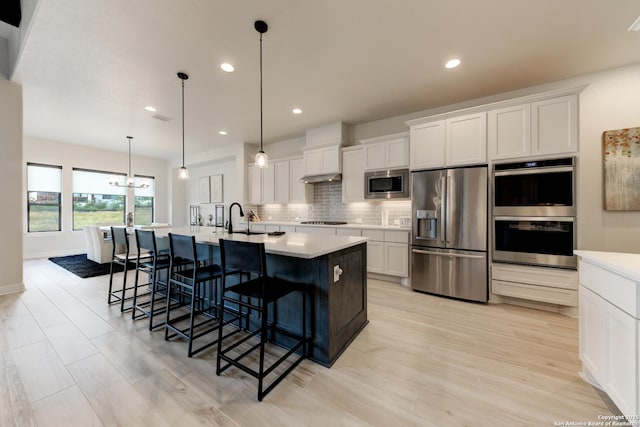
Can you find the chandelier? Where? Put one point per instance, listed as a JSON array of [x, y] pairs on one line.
[[130, 181]]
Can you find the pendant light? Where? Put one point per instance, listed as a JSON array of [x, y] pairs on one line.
[[184, 172], [262, 160], [130, 181]]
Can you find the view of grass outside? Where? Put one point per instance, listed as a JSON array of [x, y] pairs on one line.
[[143, 210], [91, 209], [44, 218]]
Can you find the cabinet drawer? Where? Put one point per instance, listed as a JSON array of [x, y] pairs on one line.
[[349, 232], [618, 290], [316, 230], [396, 236], [551, 277], [535, 293], [288, 228], [374, 234]]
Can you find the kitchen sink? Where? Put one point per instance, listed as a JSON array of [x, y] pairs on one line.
[[248, 232]]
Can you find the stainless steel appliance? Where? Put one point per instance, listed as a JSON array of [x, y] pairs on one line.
[[449, 232], [534, 213], [535, 188], [387, 184], [544, 241]]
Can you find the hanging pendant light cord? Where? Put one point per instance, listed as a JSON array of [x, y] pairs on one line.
[[183, 123], [129, 156], [261, 92]]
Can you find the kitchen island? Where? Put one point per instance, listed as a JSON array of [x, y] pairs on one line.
[[335, 268], [610, 326]]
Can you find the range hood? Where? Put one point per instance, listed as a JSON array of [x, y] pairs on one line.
[[330, 177], [322, 153]]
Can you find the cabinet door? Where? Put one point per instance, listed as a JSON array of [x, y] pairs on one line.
[[281, 180], [467, 140], [426, 145], [299, 192], [621, 348], [375, 256], [592, 334], [397, 153], [312, 162], [353, 176], [316, 230], [254, 178], [268, 184], [330, 160], [509, 132], [375, 156], [554, 125], [396, 259]]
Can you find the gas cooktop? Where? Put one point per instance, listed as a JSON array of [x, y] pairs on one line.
[[324, 222]]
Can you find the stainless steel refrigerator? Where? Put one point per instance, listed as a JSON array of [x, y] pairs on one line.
[[449, 232]]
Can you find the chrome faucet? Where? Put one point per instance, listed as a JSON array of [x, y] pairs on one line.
[[231, 218]]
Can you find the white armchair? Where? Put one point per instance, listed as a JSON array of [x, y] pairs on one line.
[[102, 248], [88, 237]]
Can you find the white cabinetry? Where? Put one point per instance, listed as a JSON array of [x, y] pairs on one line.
[[454, 141], [319, 161], [466, 140], [299, 192], [281, 182], [353, 174], [387, 252], [386, 152], [549, 126], [316, 230], [610, 326], [549, 285], [261, 184]]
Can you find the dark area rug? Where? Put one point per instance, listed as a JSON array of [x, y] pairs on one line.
[[83, 267]]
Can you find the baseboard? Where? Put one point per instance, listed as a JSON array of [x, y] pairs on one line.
[[50, 254], [11, 289], [386, 278]]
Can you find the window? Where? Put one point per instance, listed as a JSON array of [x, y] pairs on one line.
[[143, 201], [95, 201], [44, 187]]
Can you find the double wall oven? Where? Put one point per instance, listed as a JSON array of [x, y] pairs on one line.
[[534, 212]]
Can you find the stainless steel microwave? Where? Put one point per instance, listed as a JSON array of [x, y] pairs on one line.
[[387, 184]]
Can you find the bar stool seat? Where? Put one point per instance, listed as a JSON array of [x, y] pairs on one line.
[[191, 275], [254, 296]]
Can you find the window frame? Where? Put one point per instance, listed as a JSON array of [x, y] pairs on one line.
[[153, 199], [59, 204]]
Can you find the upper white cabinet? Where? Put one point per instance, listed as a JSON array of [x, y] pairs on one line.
[[549, 126], [386, 152], [261, 184], [554, 125], [455, 141], [353, 174], [323, 160], [299, 192], [282, 189], [466, 140], [427, 145]]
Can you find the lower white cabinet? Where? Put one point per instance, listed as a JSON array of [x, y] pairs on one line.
[[610, 331], [549, 285], [316, 230], [387, 252]]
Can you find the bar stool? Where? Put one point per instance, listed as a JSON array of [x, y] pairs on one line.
[[157, 260], [247, 258], [187, 273], [121, 240]]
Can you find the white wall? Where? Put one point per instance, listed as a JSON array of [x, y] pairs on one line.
[[68, 156], [11, 192]]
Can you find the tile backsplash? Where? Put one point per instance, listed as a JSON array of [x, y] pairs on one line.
[[327, 205]]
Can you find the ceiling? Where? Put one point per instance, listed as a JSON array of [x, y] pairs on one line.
[[89, 67]]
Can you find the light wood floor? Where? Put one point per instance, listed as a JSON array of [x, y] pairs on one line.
[[68, 359]]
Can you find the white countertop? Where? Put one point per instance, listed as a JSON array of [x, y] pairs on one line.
[[625, 264], [298, 245]]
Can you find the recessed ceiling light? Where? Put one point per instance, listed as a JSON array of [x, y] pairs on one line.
[[223, 132], [452, 63], [296, 111], [150, 108], [227, 67], [635, 26]]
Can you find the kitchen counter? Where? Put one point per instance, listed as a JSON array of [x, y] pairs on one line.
[[626, 264], [348, 225], [334, 267], [299, 245]]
